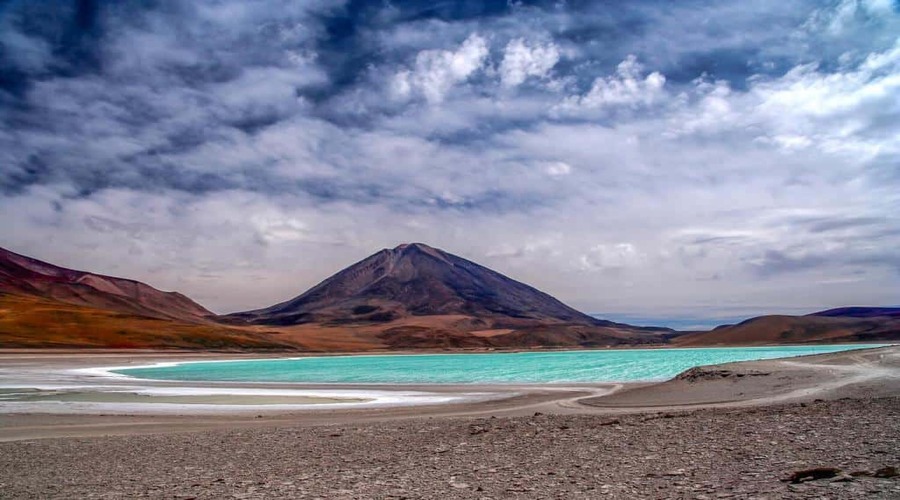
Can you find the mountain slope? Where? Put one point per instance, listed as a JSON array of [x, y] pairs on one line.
[[415, 279], [833, 326], [27, 276], [43, 305], [33, 322], [418, 296], [859, 312]]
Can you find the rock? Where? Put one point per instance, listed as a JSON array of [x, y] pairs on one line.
[[886, 472], [843, 478], [813, 474]]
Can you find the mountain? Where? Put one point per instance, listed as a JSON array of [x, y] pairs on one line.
[[409, 297], [848, 324], [27, 276], [425, 297], [416, 279], [860, 312], [44, 305]]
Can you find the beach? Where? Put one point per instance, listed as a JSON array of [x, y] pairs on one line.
[[734, 430]]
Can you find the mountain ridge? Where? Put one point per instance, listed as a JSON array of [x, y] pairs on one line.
[[412, 296], [858, 312], [843, 324], [30, 276]]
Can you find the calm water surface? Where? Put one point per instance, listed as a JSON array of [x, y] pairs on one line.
[[619, 365]]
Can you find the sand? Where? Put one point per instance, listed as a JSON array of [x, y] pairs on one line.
[[716, 432]]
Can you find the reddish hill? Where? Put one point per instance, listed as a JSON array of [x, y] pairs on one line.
[[29, 321], [43, 305], [418, 296], [814, 328], [26, 276]]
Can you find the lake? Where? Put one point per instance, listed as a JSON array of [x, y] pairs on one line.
[[613, 365]]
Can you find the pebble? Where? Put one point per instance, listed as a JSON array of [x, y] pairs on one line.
[[703, 454]]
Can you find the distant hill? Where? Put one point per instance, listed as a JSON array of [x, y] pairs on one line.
[[860, 312], [846, 324], [44, 305], [24, 275], [418, 296]]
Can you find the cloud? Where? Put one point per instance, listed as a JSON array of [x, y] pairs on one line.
[[521, 61], [627, 87], [852, 111], [610, 257], [437, 71], [557, 168], [686, 159]]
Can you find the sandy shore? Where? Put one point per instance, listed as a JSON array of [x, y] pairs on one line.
[[724, 431], [192, 406]]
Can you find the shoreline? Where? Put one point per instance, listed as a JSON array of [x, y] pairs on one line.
[[738, 430], [113, 371], [278, 353], [877, 370]]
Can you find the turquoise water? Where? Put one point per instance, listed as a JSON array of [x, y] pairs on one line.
[[619, 365]]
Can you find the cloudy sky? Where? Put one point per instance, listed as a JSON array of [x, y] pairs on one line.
[[655, 160]]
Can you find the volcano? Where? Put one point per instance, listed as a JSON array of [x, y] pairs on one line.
[[425, 297], [416, 279]]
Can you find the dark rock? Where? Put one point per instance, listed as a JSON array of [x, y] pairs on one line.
[[813, 474], [888, 471]]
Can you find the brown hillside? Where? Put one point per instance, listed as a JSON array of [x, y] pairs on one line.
[[23, 275], [28, 321], [796, 330]]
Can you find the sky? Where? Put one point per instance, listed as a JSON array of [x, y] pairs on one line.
[[652, 160]]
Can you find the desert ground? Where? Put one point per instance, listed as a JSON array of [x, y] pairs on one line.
[[739, 430]]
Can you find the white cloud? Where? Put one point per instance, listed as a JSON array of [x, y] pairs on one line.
[[611, 257], [854, 110], [277, 228], [805, 93], [709, 104], [521, 61], [557, 168], [437, 71], [846, 14], [628, 87]]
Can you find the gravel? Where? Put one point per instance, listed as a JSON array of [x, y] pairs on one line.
[[854, 444]]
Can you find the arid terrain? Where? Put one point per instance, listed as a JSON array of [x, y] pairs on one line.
[[840, 326], [809, 427], [712, 453]]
